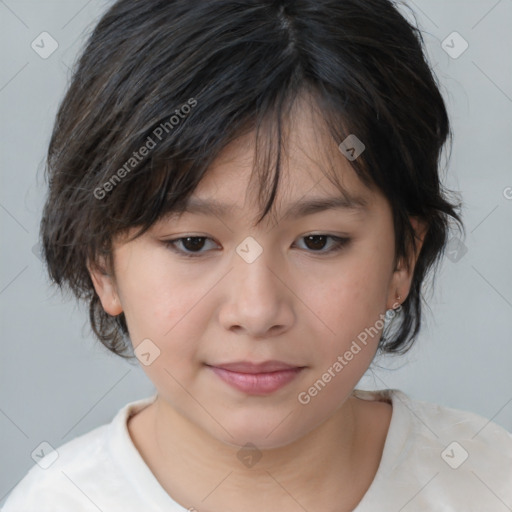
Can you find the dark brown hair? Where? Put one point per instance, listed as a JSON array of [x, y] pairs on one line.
[[183, 78]]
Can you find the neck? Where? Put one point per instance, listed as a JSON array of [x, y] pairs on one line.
[[197, 470]]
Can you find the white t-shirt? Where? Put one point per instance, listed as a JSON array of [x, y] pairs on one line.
[[435, 459]]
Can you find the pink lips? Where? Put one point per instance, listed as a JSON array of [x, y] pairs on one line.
[[256, 378]]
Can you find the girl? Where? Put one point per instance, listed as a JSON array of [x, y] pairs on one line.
[[246, 193]]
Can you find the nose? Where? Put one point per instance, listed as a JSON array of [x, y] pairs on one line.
[[258, 299]]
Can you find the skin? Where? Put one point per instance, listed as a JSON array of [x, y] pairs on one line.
[[294, 303]]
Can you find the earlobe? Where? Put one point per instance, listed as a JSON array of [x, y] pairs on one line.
[[403, 274], [399, 287], [105, 287]]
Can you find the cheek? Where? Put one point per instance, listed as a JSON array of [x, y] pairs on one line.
[[158, 302], [351, 295], [371, 275], [347, 308]]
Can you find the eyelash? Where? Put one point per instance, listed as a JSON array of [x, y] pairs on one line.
[[340, 244]]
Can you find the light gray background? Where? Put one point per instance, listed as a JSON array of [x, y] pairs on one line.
[[57, 382]]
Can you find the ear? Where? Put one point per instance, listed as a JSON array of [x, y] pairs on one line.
[[105, 287], [402, 277]]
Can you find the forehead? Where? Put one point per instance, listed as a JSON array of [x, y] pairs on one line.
[[226, 194], [312, 170], [314, 175], [307, 205]]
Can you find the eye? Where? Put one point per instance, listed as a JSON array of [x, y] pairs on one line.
[[192, 245], [318, 242]]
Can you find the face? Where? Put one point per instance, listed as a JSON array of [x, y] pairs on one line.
[[306, 292]]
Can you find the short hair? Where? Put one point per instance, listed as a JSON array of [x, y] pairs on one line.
[[183, 78]]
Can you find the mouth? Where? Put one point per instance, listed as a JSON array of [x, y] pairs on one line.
[[256, 378]]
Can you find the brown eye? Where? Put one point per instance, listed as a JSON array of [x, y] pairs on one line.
[[316, 243], [192, 245]]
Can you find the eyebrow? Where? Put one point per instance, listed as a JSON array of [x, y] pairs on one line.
[[309, 206]]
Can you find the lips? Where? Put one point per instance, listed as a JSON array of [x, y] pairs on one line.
[[249, 367], [256, 378]]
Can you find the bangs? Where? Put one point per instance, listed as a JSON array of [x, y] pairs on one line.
[[161, 186]]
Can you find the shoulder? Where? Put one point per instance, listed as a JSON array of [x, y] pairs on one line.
[[442, 454], [441, 422], [436, 421], [471, 456], [74, 476], [51, 484]]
